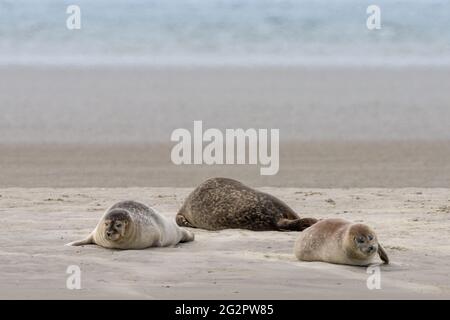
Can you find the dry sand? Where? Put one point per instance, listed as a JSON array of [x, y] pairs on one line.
[[412, 224]]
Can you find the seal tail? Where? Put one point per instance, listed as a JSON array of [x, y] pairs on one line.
[[187, 236], [296, 224], [88, 240], [383, 255]]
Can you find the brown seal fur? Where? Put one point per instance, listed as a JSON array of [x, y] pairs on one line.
[[222, 203], [339, 241]]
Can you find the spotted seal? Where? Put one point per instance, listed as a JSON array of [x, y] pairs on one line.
[[222, 203]]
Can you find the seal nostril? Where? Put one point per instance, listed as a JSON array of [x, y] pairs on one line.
[[371, 248]]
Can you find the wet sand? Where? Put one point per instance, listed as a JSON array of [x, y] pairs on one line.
[[143, 105], [302, 164]]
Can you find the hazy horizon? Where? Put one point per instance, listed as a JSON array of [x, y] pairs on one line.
[[218, 32]]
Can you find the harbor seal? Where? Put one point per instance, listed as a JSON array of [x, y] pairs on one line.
[[222, 203], [339, 241], [133, 225]]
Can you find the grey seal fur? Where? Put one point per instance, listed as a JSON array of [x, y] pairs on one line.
[[222, 203], [134, 225]]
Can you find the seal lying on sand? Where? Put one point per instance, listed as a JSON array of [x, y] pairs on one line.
[[133, 225], [221, 203], [339, 241]]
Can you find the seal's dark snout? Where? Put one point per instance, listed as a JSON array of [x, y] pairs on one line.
[[371, 248], [108, 233]]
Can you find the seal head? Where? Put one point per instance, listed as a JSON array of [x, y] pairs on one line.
[[361, 242], [116, 225]]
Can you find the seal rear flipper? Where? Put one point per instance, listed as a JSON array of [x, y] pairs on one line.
[[295, 225], [88, 240], [182, 222], [383, 255], [187, 236]]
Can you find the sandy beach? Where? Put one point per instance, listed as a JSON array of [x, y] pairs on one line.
[[372, 149], [412, 224], [94, 96], [111, 127]]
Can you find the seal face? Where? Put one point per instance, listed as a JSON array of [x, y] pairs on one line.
[[133, 225], [222, 203], [116, 223], [339, 241]]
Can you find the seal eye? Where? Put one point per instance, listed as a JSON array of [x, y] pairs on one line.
[[118, 225], [370, 237]]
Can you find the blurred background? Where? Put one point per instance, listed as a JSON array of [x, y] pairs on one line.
[[97, 106], [225, 32]]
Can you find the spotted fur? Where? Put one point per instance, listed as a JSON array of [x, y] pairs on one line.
[[222, 203]]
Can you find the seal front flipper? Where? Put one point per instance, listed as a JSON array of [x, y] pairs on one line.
[[88, 240], [187, 236], [182, 222], [383, 255], [295, 224]]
